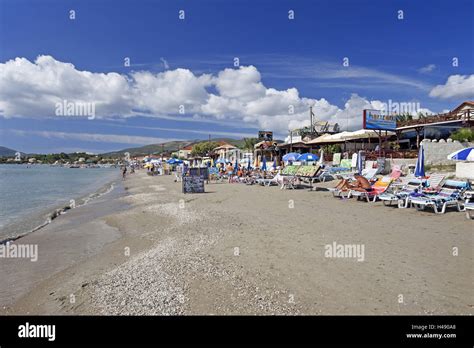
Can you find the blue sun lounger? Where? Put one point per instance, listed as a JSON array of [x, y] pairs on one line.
[[402, 196], [449, 196]]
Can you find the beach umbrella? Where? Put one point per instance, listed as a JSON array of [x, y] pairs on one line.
[[264, 164], [420, 163], [222, 160], [321, 157], [359, 163], [307, 157], [466, 154], [292, 156]]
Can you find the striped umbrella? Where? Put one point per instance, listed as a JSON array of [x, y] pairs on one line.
[[420, 163], [466, 154]]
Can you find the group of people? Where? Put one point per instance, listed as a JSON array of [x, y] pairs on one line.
[[238, 173]]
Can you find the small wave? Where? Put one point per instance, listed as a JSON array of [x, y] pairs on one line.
[[60, 211]]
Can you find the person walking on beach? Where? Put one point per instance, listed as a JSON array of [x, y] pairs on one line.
[[230, 171], [124, 172]]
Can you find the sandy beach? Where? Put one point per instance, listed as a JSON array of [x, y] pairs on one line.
[[146, 248]]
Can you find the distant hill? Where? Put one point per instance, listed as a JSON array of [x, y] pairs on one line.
[[6, 152], [170, 146]]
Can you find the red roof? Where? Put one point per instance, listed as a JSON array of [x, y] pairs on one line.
[[470, 103]]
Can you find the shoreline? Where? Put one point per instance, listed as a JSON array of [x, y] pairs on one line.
[[50, 214], [167, 253], [70, 239]]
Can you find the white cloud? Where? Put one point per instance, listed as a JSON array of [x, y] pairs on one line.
[[457, 86], [31, 89], [427, 69]]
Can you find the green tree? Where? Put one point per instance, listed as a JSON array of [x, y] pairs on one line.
[[463, 134], [404, 117], [204, 148], [331, 149], [249, 143]]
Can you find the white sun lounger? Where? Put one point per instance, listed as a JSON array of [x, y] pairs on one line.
[[469, 206]]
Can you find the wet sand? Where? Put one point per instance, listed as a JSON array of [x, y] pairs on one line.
[[239, 249]]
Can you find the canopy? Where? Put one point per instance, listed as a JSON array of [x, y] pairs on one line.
[[466, 154], [321, 139], [307, 157], [329, 138], [364, 134]]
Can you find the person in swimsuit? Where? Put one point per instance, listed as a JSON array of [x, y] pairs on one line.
[[359, 184]]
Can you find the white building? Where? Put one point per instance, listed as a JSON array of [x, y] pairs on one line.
[[228, 152]]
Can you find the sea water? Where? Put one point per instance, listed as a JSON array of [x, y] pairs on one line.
[[28, 193]]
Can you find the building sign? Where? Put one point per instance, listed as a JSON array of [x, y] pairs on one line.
[[193, 184], [265, 136], [202, 172], [376, 120]]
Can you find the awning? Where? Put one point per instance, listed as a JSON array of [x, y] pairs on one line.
[[365, 134]]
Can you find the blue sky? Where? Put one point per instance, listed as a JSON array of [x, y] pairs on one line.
[[294, 62]]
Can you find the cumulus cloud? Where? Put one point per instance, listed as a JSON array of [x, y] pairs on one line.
[[32, 89], [457, 86]]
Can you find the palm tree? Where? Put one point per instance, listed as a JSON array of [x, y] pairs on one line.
[[249, 143], [404, 117]]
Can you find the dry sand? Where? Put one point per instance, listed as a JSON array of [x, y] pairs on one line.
[[239, 249]]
